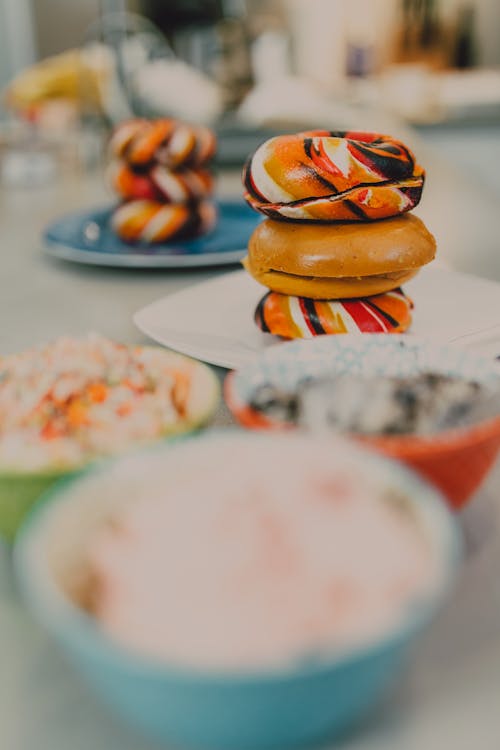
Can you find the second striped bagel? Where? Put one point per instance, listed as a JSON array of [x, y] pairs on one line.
[[159, 183]]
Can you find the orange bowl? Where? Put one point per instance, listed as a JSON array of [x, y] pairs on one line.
[[456, 461]]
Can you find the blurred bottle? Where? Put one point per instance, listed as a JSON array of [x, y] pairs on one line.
[[270, 42], [430, 26], [362, 36], [232, 68], [145, 77], [422, 36], [318, 30], [465, 50], [271, 56], [360, 59], [27, 160]]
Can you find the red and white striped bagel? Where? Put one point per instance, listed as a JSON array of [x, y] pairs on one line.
[[300, 317], [159, 183]]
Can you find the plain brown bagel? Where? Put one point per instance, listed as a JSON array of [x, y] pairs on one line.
[[329, 261]]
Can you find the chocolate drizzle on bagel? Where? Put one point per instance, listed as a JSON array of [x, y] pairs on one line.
[[352, 200]]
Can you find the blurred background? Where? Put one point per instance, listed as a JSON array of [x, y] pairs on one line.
[[424, 70], [243, 64]]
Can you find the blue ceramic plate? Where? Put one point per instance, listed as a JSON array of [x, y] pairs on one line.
[[88, 238]]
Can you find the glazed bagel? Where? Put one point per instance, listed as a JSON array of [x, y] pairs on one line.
[[150, 221], [168, 142], [298, 317], [332, 176], [160, 183], [346, 260]]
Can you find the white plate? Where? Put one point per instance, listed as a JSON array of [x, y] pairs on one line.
[[213, 321]]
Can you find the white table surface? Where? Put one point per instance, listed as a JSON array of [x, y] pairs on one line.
[[449, 698]]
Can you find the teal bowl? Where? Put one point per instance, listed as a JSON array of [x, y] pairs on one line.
[[301, 703]]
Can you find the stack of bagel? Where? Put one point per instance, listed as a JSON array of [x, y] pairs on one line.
[[159, 171], [338, 242]]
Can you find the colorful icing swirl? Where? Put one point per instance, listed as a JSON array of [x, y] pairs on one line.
[[170, 143], [300, 317], [158, 172], [333, 176], [160, 184], [152, 221]]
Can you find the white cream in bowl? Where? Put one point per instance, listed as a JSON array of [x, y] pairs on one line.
[[241, 551]]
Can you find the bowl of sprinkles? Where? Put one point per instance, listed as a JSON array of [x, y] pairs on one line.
[[78, 400]]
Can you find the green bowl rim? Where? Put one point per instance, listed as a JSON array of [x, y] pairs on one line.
[[185, 427]]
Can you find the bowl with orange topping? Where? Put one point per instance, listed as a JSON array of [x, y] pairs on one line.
[[78, 400]]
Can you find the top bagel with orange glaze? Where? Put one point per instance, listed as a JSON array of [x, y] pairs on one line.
[[332, 176]]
